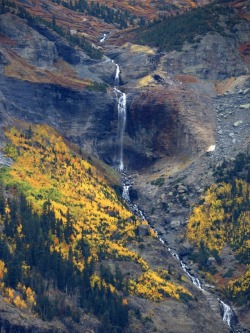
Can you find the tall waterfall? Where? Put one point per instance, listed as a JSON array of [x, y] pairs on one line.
[[121, 106]]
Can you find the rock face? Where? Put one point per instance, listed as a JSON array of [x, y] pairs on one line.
[[37, 50], [213, 58], [160, 121], [84, 117]]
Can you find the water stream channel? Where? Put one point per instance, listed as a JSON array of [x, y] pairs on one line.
[[226, 311]]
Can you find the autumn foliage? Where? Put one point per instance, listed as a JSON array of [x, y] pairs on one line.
[[61, 220], [222, 219]]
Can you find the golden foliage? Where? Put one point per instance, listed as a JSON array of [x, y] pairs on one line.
[[3, 269], [22, 297], [47, 169], [152, 286], [240, 286], [215, 222]]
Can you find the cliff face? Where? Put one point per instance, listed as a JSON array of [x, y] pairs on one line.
[[56, 84], [164, 112], [84, 117], [215, 57]]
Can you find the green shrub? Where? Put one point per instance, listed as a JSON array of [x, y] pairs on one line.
[[158, 182]]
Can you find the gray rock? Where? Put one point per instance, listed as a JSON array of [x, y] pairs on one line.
[[245, 106], [175, 225], [185, 248], [215, 58], [237, 123], [182, 189], [211, 261]]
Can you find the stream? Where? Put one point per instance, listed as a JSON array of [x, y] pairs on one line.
[[226, 311]]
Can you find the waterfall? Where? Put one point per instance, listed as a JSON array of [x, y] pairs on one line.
[[227, 313], [121, 106], [103, 38], [125, 193], [117, 75]]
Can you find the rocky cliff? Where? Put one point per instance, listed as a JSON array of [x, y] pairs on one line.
[[63, 88]]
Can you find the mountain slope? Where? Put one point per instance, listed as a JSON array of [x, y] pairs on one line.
[[63, 229]]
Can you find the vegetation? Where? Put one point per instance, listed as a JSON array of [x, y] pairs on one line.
[[96, 86], [171, 33], [60, 221], [239, 289], [223, 219], [158, 182], [156, 287], [74, 40], [32, 266], [109, 15]]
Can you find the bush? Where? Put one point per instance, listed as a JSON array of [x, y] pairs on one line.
[[158, 182]]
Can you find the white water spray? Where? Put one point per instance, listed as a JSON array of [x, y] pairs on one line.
[[117, 75], [227, 313], [125, 193]]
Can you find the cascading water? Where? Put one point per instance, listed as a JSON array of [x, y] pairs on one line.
[[227, 313], [103, 38], [117, 75], [125, 193], [122, 101], [121, 106]]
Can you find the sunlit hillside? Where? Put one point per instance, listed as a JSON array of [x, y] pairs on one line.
[[221, 221], [61, 218]]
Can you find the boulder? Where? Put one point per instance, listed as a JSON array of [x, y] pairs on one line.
[[185, 248], [175, 224], [237, 123], [211, 261]]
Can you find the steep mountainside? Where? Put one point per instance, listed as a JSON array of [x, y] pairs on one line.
[[66, 235], [74, 254]]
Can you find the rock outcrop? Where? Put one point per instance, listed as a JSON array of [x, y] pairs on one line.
[[214, 58]]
